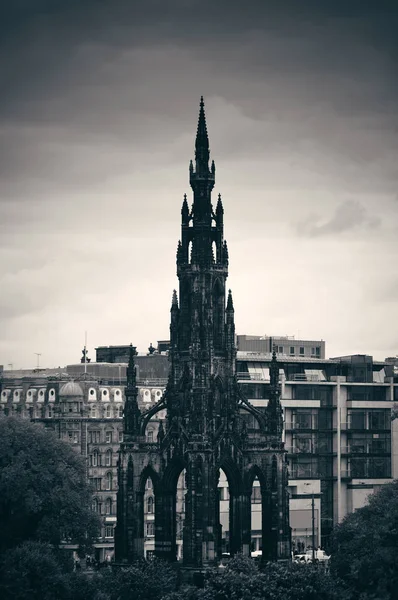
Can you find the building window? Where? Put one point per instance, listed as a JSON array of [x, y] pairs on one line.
[[150, 505], [312, 351], [108, 411], [291, 349], [50, 411], [280, 350], [96, 483], [95, 459], [304, 443], [150, 529], [304, 468], [93, 412], [37, 412], [369, 419], [108, 506], [378, 468], [318, 351], [149, 436], [120, 435], [108, 437], [108, 481], [301, 351], [94, 437], [73, 437], [305, 419], [108, 458], [109, 531], [120, 411]]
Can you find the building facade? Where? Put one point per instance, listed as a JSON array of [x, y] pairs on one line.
[[284, 346], [340, 433]]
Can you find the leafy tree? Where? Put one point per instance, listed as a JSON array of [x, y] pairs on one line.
[[242, 580], [145, 580], [365, 547], [44, 494], [32, 571]]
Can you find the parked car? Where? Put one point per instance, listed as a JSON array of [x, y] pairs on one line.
[[319, 555]]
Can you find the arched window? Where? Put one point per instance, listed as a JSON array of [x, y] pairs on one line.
[[150, 505], [108, 506], [108, 458], [108, 411], [149, 435], [120, 411], [93, 411], [95, 459], [108, 481]]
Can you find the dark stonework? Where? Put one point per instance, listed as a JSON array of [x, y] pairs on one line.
[[205, 429]]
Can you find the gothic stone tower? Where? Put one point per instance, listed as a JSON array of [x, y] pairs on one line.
[[205, 427]]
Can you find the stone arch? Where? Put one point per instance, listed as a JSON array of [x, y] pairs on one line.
[[253, 471], [233, 475], [149, 471], [172, 473]]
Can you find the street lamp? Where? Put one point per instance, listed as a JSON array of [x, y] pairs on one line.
[[313, 521]]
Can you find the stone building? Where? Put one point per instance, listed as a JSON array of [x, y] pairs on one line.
[[83, 404], [206, 416]]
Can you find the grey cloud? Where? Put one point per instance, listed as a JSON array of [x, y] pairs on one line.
[[349, 215]]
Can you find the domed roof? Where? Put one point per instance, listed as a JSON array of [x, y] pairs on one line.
[[71, 389]]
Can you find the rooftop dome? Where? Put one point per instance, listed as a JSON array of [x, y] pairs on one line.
[[71, 389]]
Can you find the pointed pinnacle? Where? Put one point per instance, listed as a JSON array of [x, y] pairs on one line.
[[219, 208], [185, 209], [202, 141], [230, 304], [174, 300]]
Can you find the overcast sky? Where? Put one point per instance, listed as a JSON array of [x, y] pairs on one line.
[[98, 111]]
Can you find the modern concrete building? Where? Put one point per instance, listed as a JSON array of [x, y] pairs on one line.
[[341, 442], [284, 345]]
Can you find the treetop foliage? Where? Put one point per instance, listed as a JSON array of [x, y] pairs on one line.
[[44, 494], [365, 547]]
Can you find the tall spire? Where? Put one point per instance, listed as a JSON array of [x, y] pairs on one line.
[[274, 370], [131, 374], [274, 409], [132, 413], [202, 153]]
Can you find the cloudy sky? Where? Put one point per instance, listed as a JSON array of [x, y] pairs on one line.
[[98, 111]]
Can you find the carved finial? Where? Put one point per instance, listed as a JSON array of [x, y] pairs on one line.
[[225, 253], [174, 300], [202, 153], [230, 304], [185, 211], [219, 208]]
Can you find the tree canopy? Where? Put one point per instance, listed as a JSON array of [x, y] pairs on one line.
[[365, 547], [44, 493]]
